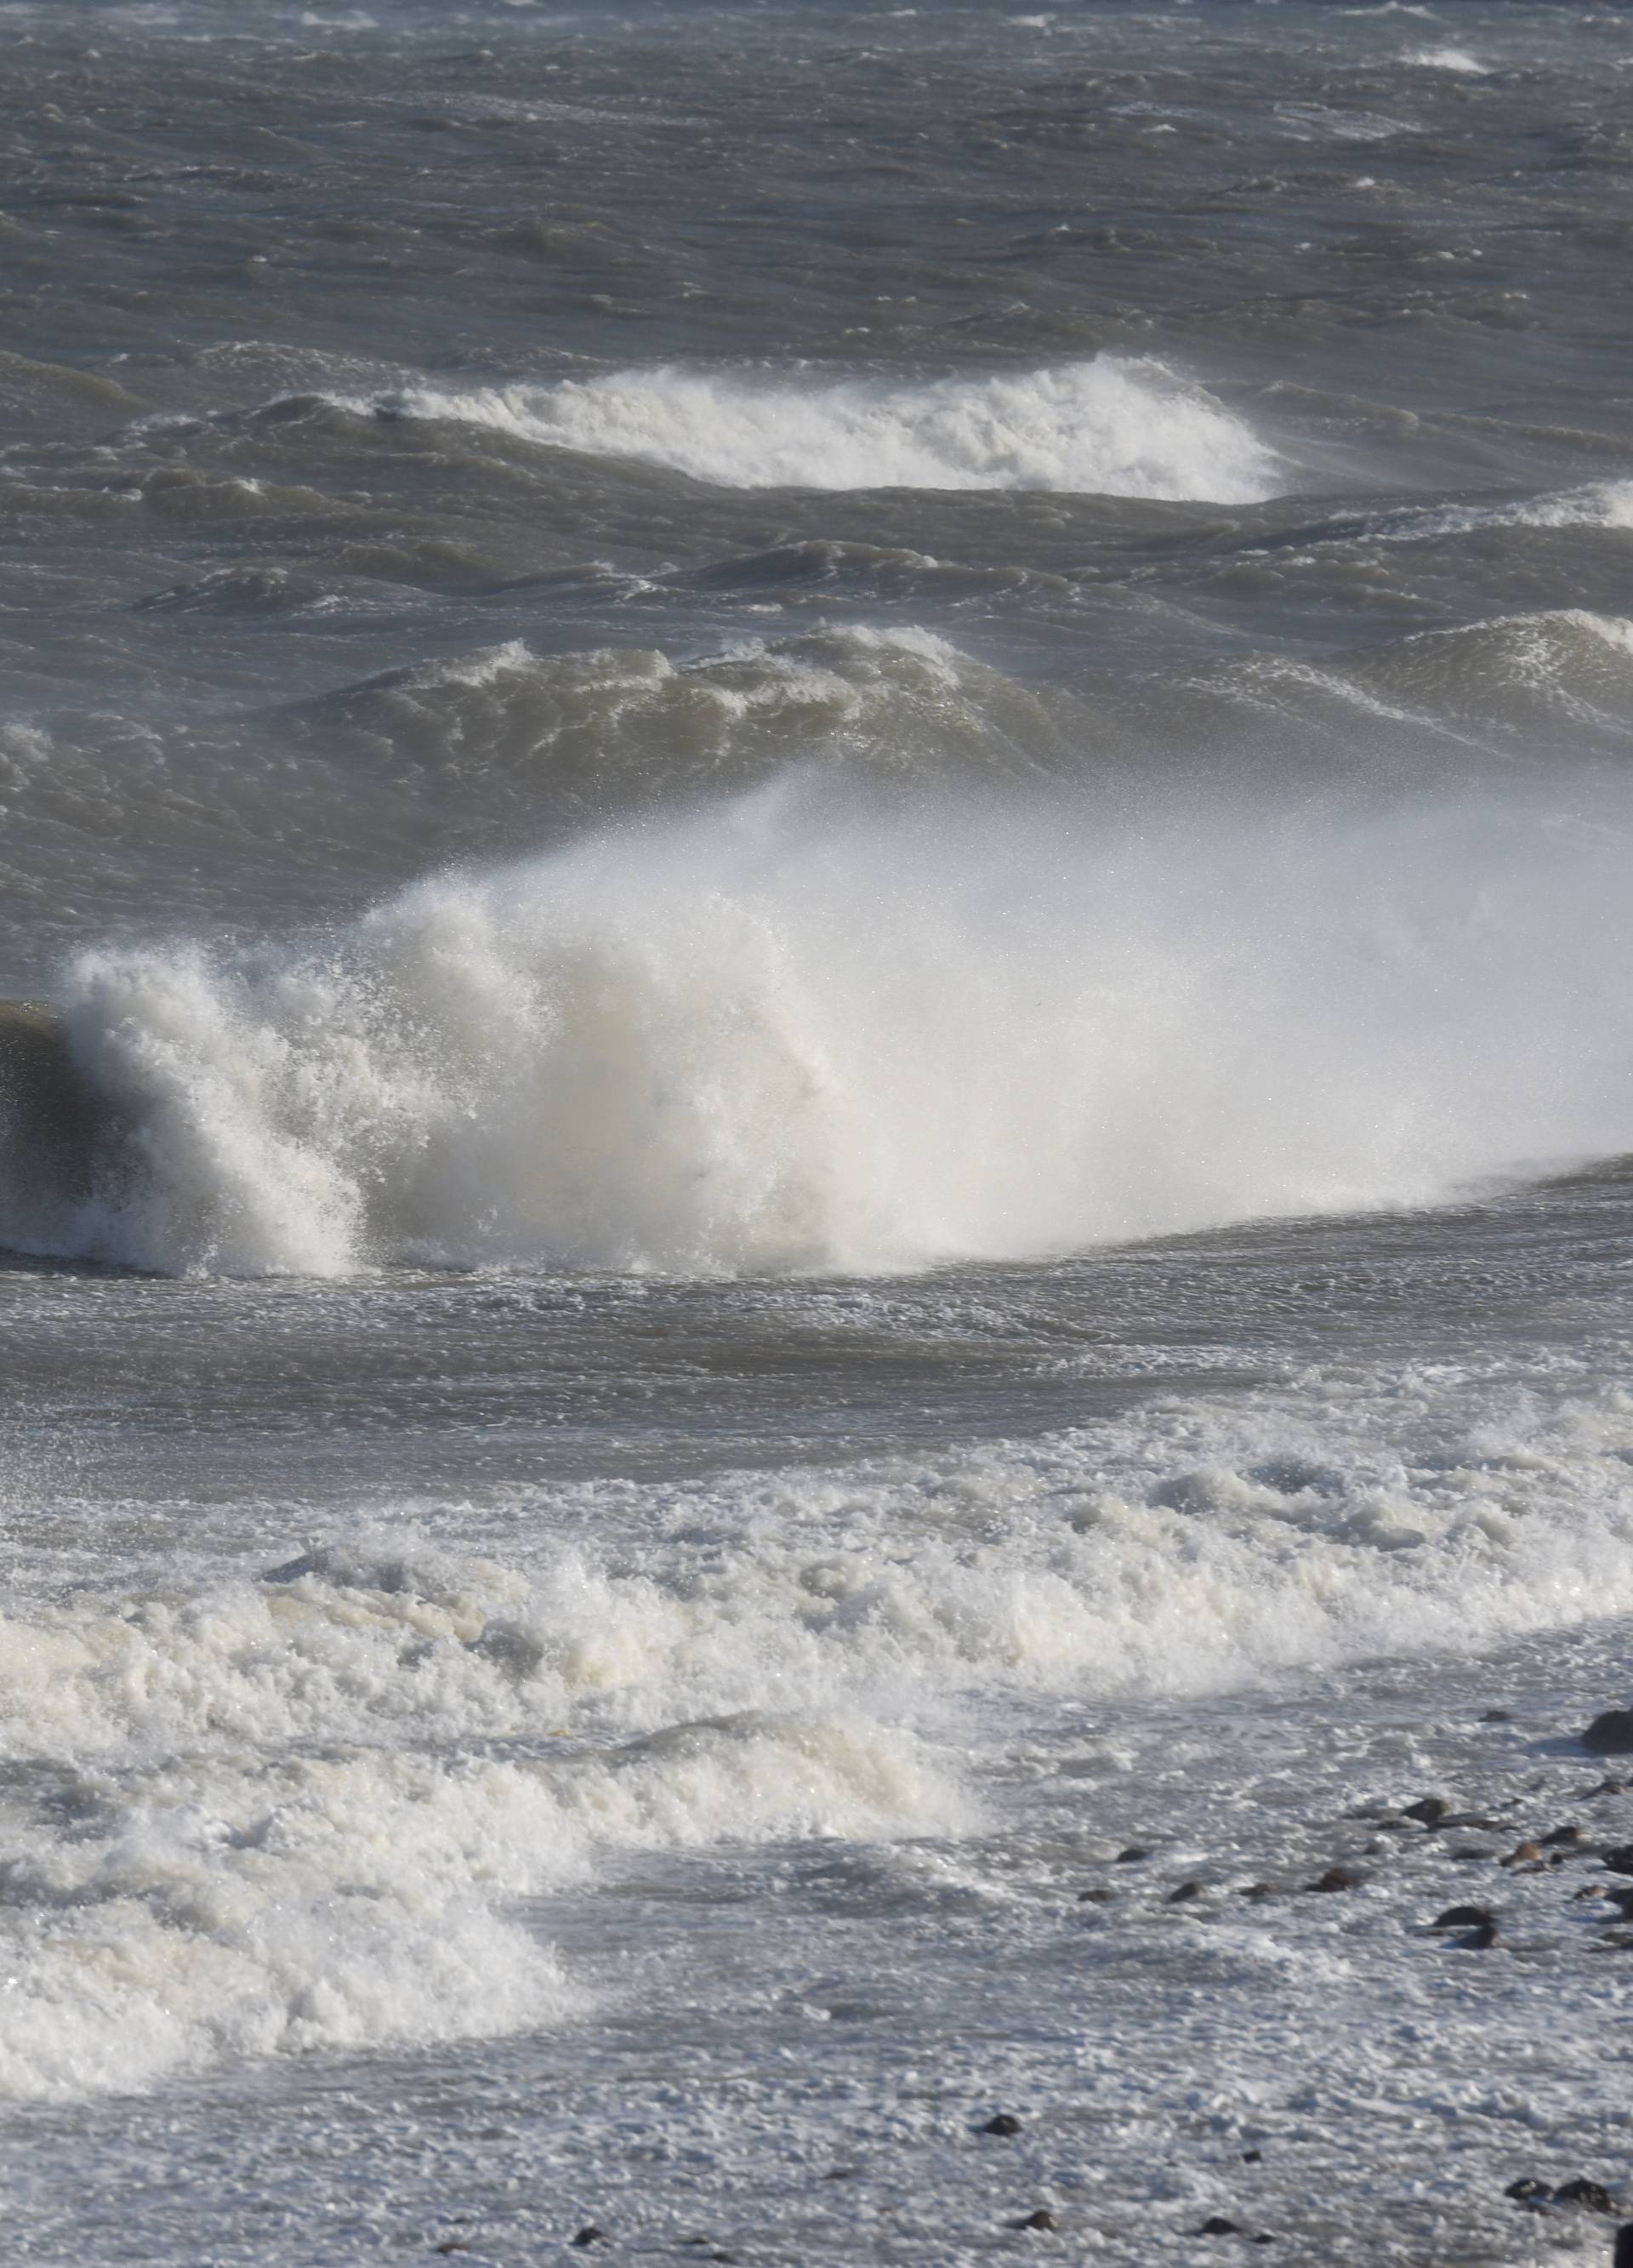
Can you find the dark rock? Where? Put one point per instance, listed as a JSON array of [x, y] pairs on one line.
[[1497, 1717], [1216, 2225], [1253, 2157], [1186, 1892], [1604, 1787], [1470, 1854], [1005, 2123], [1258, 1891], [1042, 2219], [1131, 1855], [1527, 2189], [1621, 1894], [1338, 1878], [1481, 1939], [453, 2244], [1264, 2237], [1624, 2247], [1560, 1835], [1587, 2193], [1432, 1809], [1619, 1860], [1463, 1917], [1610, 1733], [1096, 1897], [591, 2235]]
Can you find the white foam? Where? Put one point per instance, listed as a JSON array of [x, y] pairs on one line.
[[302, 1807], [286, 1841], [1119, 426]]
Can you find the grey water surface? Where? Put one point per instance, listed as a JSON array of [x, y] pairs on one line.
[[821, 820]]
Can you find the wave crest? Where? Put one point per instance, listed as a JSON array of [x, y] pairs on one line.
[[1116, 426]]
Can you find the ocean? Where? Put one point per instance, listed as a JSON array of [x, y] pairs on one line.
[[816, 1082]]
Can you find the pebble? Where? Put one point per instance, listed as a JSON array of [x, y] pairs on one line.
[[1463, 1917], [1096, 1897], [1610, 1733], [1127, 1858], [1216, 2225], [1042, 2219], [591, 2235], [1497, 1717], [1432, 1809], [1184, 1894], [1558, 1835], [1528, 2190], [1585, 2193], [1005, 2123], [1338, 1878]]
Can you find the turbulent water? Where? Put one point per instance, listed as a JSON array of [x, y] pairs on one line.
[[817, 1098]]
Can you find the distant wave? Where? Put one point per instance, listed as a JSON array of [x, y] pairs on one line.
[[1447, 59], [1115, 426], [1603, 504]]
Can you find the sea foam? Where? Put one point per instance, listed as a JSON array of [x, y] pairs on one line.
[[295, 1813]]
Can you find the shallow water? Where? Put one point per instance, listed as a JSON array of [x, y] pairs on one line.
[[826, 816]]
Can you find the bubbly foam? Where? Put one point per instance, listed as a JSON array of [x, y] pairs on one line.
[[283, 1840], [263, 1817], [1116, 426]]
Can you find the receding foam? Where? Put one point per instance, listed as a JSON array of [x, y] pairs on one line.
[[303, 1806]]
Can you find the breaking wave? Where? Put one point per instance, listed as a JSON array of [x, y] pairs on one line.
[[812, 1029], [1116, 426]]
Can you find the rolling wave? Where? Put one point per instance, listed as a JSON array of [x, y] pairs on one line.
[[1116, 426]]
